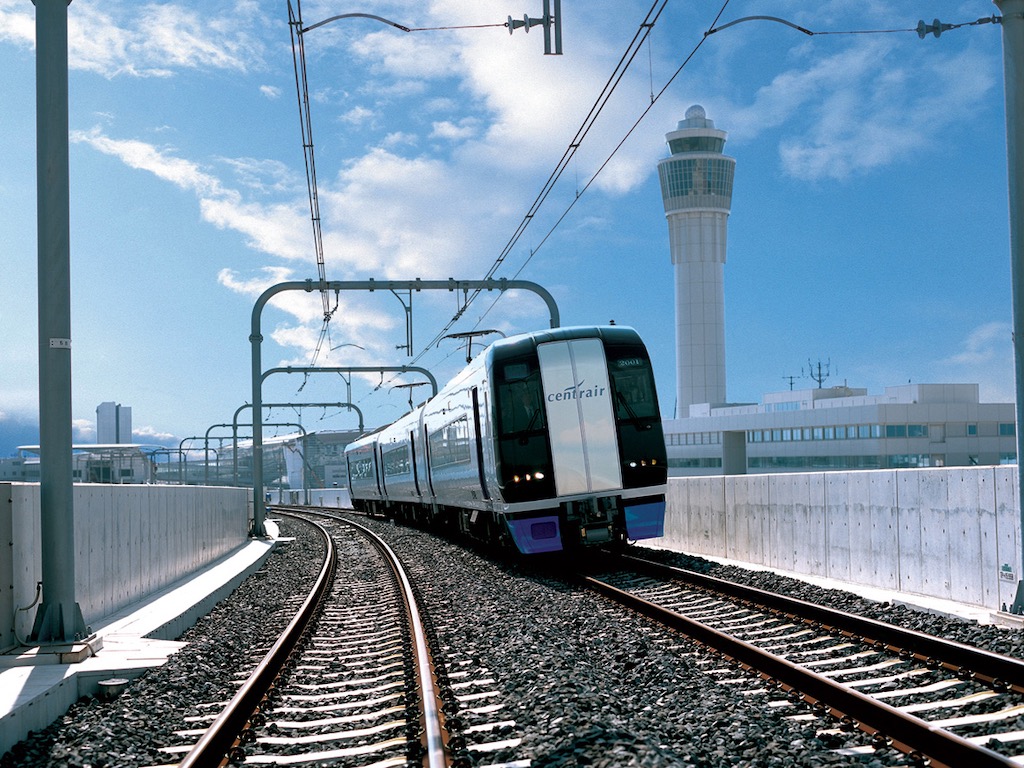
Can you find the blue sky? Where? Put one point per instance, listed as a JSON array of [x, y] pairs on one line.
[[868, 226]]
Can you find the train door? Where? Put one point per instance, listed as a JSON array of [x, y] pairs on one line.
[[429, 462], [581, 423], [378, 461], [478, 437], [415, 471]]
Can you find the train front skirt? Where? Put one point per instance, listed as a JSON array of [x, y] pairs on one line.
[[536, 535]]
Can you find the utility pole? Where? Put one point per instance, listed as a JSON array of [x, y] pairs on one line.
[[59, 617], [1013, 80]]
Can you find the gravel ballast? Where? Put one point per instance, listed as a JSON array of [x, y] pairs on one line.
[[584, 682]]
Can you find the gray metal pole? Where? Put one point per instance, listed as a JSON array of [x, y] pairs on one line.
[[1013, 80], [256, 340], [58, 618], [238, 411]]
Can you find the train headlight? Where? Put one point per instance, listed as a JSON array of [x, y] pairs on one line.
[[538, 475], [632, 465], [515, 478]]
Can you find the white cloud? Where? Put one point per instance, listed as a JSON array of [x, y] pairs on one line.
[[17, 26], [446, 129], [272, 228], [357, 116], [83, 431], [985, 357], [983, 345], [148, 434], [856, 110], [270, 91], [149, 39], [138, 154]]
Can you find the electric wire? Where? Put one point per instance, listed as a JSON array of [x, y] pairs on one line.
[[619, 72], [921, 30], [615, 150], [611, 84], [306, 127]]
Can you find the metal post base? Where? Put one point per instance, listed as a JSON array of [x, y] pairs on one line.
[[1017, 606], [58, 623]]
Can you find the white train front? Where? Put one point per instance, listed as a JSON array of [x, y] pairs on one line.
[[549, 440]]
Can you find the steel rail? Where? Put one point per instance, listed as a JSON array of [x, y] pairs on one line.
[[993, 668], [432, 739], [908, 733], [222, 738]]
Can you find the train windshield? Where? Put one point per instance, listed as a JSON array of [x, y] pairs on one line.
[[633, 383], [520, 398]]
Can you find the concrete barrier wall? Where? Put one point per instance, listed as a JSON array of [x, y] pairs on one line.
[[130, 541], [337, 498], [952, 533]]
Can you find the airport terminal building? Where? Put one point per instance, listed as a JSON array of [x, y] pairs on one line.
[[834, 428], [843, 428]]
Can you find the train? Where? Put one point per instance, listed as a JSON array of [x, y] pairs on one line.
[[547, 442]]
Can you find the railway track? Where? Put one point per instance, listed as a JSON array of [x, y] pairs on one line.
[[349, 682], [940, 702]]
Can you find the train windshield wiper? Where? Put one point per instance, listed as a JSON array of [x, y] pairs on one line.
[[640, 427]]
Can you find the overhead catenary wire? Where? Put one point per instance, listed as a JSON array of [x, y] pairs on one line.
[[921, 30], [306, 127], [608, 159], [297, 31], [613, 81], [627, 58]]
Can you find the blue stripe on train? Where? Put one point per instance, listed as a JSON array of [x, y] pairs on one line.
[[645, 521], [536, 534]]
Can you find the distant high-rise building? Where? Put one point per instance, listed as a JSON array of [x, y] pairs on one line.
[[696, 188], [113, 423]]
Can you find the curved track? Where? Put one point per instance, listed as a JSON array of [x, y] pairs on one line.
[[844, 666], [350, 680]]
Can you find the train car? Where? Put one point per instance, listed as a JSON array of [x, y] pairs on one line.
[[548, 440]]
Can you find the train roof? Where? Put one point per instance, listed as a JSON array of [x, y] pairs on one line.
[[522, 342]]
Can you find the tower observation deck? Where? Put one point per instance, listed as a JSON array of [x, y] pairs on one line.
[[696, 188]]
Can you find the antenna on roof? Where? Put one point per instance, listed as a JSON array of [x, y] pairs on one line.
[[816, 373], [791, 379]]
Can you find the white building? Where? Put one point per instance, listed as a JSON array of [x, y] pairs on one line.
[[113, 423], [916, 425]]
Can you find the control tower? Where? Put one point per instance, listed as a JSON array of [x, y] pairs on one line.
[[696, 187]]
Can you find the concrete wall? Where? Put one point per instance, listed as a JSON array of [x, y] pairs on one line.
[[318, 497], [131, 540], [952, 533]]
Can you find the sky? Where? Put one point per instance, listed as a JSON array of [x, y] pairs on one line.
[[868, 229]]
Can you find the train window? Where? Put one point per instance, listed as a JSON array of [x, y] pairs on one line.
[[516, 371], [361, 469], [633, 383], [396, 461], [520, 400], [450, 444]]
